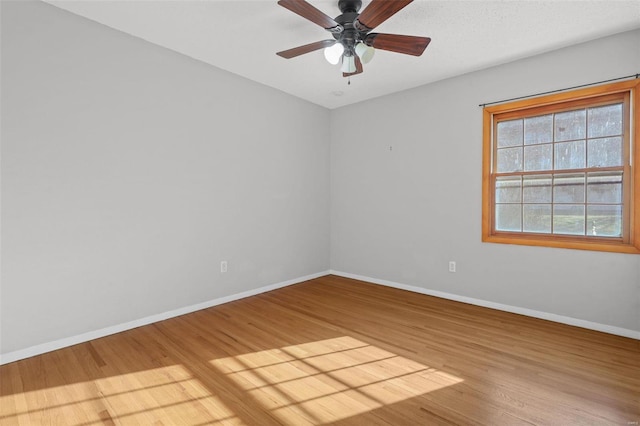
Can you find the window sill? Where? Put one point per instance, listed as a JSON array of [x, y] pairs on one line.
[[561, 242]]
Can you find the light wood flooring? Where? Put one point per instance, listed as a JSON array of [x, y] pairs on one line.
[[333, 351]]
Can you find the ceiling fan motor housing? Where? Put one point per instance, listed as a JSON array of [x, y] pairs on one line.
[[349, 5], [351, 35]]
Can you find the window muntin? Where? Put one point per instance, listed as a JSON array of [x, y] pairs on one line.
[[559, 173]]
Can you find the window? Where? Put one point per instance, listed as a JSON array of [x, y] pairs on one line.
[[560, 170]]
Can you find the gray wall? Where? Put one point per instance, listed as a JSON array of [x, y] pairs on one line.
[[130, 171], [401, 215]]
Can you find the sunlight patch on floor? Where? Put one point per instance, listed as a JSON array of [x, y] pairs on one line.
[[329, 380], [310, 383], [140, 397]]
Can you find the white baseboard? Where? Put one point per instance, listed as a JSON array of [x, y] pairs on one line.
[[85, 337], [91, 335], [619, 331]]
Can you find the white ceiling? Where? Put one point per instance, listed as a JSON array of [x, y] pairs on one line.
[[242, 37]]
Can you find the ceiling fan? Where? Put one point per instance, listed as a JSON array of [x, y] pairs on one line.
[[353, 42]]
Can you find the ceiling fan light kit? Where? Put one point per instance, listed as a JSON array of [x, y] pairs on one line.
[[348, 64], [364, 52], [353, 41], [333, 53]]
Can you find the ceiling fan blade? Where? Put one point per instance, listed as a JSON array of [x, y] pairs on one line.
[[408, 45], [358, 70], [307, 11], [377, 12], [301, 50]]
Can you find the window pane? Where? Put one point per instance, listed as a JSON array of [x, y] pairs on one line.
[[508, 217], [605, 188], [568, 219], [508, 189], [605, 121], [509, 160], [536, 189], [537, 157], [604, 221], [509, 133], [570, 155], [568, 189], [604, 152], [570, 125], [538, 129], [537, 218]]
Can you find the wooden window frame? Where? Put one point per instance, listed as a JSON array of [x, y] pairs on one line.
[[630, 242]]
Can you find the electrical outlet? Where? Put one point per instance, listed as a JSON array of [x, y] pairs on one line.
[[452, 266], [223, 266]]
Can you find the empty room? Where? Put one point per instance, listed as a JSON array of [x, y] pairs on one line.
[[316, 212]]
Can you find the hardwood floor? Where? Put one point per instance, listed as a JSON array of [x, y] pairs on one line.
[[333, 351]]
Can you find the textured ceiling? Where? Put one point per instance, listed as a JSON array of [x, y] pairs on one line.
[[243, 36]]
